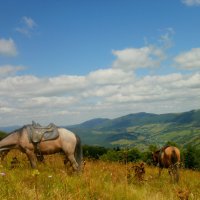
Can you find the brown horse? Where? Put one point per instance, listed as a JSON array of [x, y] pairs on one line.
[[66, 142], [168, 157]]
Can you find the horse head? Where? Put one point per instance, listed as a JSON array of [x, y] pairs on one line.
[[155, 157]]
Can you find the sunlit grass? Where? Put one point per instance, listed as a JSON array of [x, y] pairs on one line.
[[99, 180]]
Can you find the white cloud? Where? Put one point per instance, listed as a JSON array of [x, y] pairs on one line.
[[189, 60], [9, 70], [191, 2], [7, 47], [133, 58], [161, 91], [48, 102], [5, 110], [73, 99], [166, 38], [28, 85], [149, 56], [109, 76], [27, 26], [30, 23]]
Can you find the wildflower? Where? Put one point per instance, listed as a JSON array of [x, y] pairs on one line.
[[35, 172], [2, 173]]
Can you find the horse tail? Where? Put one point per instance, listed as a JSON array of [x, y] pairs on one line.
[[78, 152], [174, 157]]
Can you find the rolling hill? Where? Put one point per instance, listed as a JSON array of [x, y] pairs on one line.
[[141, 130]]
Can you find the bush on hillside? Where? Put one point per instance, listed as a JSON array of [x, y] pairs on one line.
[[93, 152], [124, 155], [191, 157], [2, 134]]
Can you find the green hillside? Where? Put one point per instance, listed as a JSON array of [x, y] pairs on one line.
[[2, 134], [142, 129]]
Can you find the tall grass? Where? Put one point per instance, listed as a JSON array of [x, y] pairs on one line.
[[99, 181]]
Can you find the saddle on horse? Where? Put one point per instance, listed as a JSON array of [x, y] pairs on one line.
[[38, 133]]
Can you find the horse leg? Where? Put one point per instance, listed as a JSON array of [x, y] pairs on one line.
[[32, 158], [171, 173], [40, 158], [68, 166], [67, 162], [73, 162], [176, 168], [174, 173]]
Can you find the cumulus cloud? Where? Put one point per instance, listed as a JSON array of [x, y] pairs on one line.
[[149, 56], [191, 2], [169, 93], [7, 47], [189, 60], [27, 26], [109, 76], [133, 58], [49, 102], [64, 100]]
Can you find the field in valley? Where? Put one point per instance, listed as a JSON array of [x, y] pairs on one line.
[[99, 181]]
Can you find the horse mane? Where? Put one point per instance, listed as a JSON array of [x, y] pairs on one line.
[[161, 149]]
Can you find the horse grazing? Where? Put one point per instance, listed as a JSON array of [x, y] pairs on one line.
[[66, 142], [168, 157]]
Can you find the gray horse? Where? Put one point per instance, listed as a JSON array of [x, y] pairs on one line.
[[66, 142]]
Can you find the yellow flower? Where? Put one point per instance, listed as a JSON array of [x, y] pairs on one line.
[[35, 172]]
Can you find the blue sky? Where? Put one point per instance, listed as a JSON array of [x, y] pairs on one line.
[[70, 61]]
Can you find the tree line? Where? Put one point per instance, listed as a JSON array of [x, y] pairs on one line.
[[190, 155]]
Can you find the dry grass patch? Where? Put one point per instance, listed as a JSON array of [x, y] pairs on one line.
[[99, 181]]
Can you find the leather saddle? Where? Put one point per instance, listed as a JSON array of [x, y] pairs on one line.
[[38, 133]]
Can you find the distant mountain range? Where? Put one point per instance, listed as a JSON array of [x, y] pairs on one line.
[[8, 129], [139, 130]]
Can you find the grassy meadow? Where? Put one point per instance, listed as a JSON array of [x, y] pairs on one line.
[[99, 181]]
